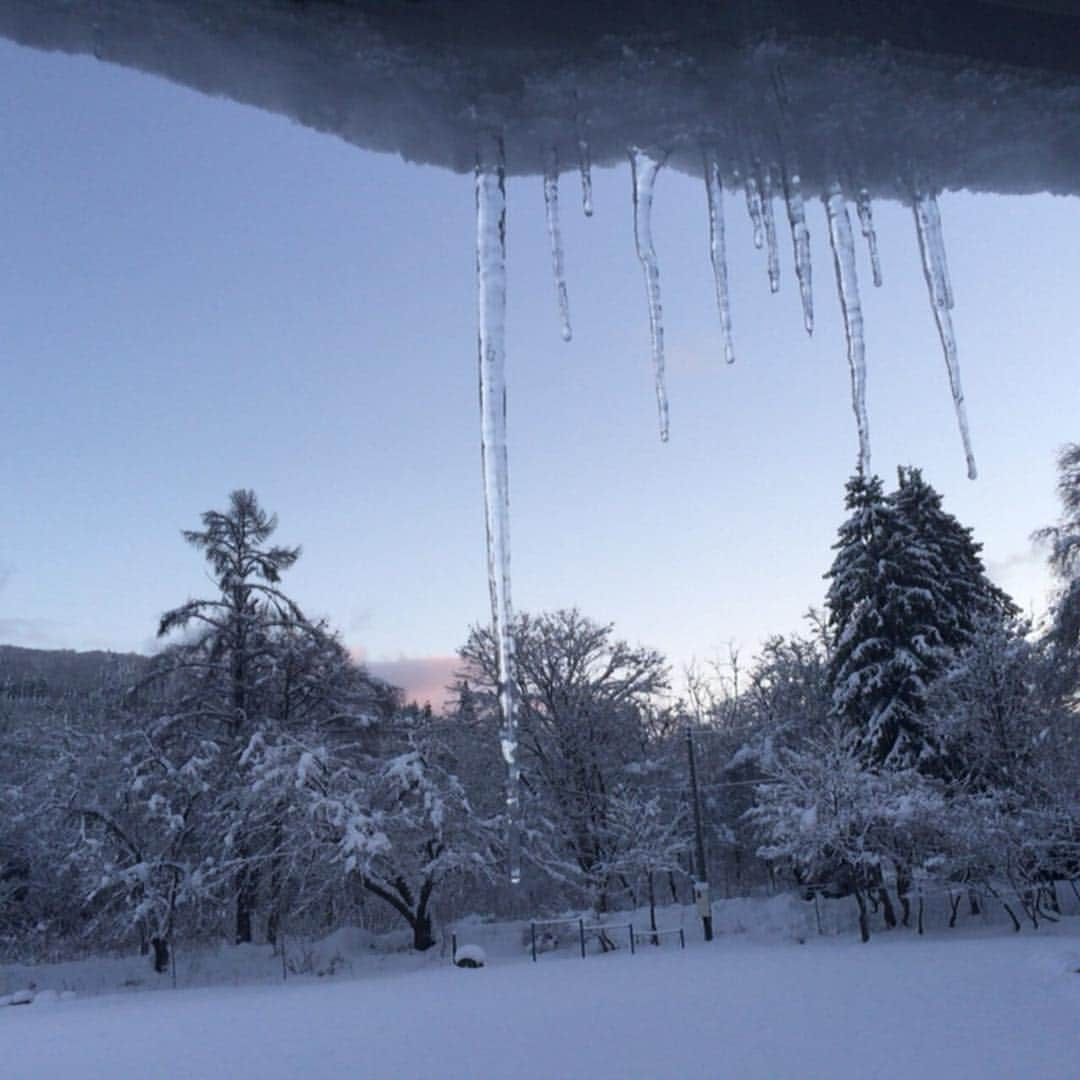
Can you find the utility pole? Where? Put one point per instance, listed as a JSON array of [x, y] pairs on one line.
[[701, 882]]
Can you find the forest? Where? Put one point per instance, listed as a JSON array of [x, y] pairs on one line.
[[252, 781]]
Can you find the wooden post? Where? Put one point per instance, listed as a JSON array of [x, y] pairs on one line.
[[701, 885]]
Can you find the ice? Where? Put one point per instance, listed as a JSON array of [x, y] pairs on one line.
[[714, 190], [753, 205], [585, 164], [847, 284], [491, 317], [768, 217], [936, 272], [551, 212], [866, 222], [800, 239], [644, 168]]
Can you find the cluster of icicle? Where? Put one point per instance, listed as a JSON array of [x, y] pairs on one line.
[[760, 188]]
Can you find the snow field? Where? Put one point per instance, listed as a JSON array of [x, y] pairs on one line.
[[984, 1006]]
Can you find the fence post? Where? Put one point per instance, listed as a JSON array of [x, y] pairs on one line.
[[581, 931], [453, 947], [682, 937], [630, 927], [532, 930]]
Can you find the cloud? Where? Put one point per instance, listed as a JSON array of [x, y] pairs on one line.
[[423, 678]]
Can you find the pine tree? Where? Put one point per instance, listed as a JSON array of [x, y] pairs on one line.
[[873, 692], [1063, 540], [908, 590]]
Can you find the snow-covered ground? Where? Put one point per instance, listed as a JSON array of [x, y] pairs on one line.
[[976, 1003]]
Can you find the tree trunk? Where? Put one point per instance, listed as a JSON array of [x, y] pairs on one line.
[[652, 907], [954, 907], [864, 919], [423, 938], [161, 954], [903, 890], [247, 888], [399, 897], [277, 886], [887, 908]]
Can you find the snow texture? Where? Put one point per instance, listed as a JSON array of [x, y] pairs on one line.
[[746, 1006]]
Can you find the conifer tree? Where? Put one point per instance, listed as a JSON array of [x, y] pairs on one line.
[[907, 591]]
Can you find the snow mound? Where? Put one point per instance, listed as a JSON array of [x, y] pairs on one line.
[[470, 956]]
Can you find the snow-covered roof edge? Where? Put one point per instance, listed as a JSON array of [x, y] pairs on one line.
[[425, 79]]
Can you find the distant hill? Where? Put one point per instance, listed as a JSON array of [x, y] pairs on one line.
[[53, 674]]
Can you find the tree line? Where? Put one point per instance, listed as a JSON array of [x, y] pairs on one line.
[[252, 780]]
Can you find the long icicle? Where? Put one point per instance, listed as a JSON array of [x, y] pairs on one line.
[[753, 206], [714, 190], [847, 284], [644, 168], [865, 209], [551, 214], [491, 318], [768, 216], [938, 246], [936, 272], [800, 240], [585, 165]]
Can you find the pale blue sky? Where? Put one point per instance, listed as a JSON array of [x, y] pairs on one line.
[[196, 296]]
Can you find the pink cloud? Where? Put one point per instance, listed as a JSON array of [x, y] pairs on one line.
[[423, 678]]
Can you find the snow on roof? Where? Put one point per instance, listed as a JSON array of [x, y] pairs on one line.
[[983, 96]]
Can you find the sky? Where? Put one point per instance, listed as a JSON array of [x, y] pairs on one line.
[[197, 296]]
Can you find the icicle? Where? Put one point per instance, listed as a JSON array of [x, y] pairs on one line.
[[769, 219], [800, 239], [936, 272], [866, 223], [753, 205], [847, 284], [714, 190], [585, 163], [644, 169], [551, 212], [933, 216], [491, 315]]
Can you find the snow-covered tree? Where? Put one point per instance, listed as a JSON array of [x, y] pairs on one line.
[[842, 827], [907, 588], [1063, 543], [393, 816], [587, 708], [252, 671]]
